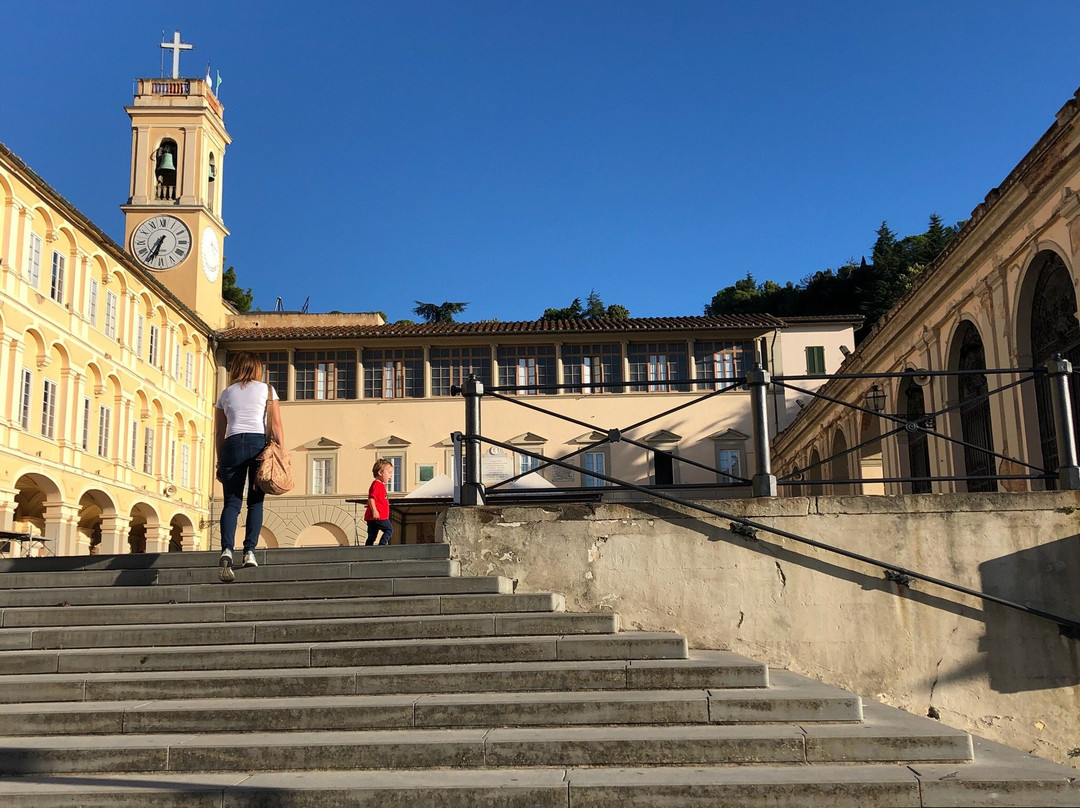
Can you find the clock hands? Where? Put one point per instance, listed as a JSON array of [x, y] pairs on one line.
[[157, 248]]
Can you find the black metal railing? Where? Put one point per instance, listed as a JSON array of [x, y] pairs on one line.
[[899, 575]]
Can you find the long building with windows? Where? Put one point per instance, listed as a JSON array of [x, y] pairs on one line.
[[114, 353]]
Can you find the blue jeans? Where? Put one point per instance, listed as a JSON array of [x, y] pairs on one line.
[[376, 525], [236, 468]]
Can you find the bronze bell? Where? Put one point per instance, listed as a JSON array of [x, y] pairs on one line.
[[166, 162]]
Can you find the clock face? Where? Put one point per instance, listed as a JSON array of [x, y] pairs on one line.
[[161, 242], [210, 253]]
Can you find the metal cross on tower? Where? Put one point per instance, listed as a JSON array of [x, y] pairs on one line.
[[176, 46]]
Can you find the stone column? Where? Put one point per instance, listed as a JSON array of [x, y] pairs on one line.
[[114, 535], [157, 538], [61, 526]]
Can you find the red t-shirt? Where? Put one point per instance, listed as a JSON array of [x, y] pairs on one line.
[[382, 504]]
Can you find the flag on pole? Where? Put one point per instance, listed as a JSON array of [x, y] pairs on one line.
[[208, 82], [218, 85]]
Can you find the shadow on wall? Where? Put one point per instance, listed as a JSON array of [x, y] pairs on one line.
[[1022, 652]]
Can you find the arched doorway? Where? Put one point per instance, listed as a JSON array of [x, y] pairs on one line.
[[813, 474], [1054, 330], [974, 409], [913, 401]]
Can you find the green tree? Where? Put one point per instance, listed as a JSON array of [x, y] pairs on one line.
[[594, 308], [241, 299], [438, 312]]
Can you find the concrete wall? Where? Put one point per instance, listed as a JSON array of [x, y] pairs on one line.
[[998, 673]]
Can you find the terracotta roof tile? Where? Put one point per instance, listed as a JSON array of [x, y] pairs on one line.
[[597, 326]]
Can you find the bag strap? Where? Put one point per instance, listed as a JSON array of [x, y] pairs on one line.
[[266, 414]]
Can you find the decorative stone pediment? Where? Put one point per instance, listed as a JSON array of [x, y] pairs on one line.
[[391, 442], [729, 435], [662, 437], [527, 439], [590, 437], [322, 444]]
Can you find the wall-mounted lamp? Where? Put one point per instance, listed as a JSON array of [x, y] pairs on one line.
[[845, 350], [875, 399]]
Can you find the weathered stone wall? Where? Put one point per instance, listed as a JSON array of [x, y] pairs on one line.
[[991, 670]]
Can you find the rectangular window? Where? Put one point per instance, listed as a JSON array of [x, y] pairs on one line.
[[91, 303], [659, 364], [110, 314], [172, 460], [815, 360], [185, 465], [595, 462], [276, 369], [591, 364], [140, 326], [25, 397], [527, 464], [148, 451], [104, 422], [322, 475], [33, 263], [134, 442], [325, 375], [48, 409], [729, 462], [394, 373], [56, 286], [176, 361], [189, 371], [152, 352], [721, 361], [452, 366], [527, 365], [86, 425], [397, 482]]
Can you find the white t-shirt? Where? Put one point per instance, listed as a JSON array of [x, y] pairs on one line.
[[245, 407]]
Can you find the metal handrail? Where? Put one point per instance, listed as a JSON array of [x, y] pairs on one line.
[[901, 576]]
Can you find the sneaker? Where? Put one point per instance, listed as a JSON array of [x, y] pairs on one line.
[[225, 571], [249, 559]]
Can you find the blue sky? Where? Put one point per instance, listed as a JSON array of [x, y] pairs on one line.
[[515, 155]]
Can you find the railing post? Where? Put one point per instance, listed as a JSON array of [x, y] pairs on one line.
[[1068, 470], [472, 491], [764, 481]]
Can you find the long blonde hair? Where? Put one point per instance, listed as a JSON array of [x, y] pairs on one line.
[[245, 367]]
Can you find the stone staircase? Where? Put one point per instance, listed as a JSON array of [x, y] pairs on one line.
[[376, 676]]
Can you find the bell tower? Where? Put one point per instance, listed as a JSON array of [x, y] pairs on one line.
[[173, 225]]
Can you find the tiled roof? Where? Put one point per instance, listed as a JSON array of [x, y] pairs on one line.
[[598, 326]]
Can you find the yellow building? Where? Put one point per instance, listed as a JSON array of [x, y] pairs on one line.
[[113, 356]]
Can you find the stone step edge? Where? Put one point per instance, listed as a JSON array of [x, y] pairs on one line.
[[562, 621], [190, 559], [749, 787], [715, 663], [306, 655], [166, 593], [479, 747], [446, 605]]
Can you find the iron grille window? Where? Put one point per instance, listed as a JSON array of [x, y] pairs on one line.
[[325, 375], [658, 367], [591, 364], [394, 373], [527, 365], [723, 361], [452, 366]]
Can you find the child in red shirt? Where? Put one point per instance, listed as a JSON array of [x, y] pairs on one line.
[[377, 513]]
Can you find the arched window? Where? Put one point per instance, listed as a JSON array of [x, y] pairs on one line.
[[839, 467], [974, 409], [1054, 330], [165, 170], [918, 450], [211, 187]]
